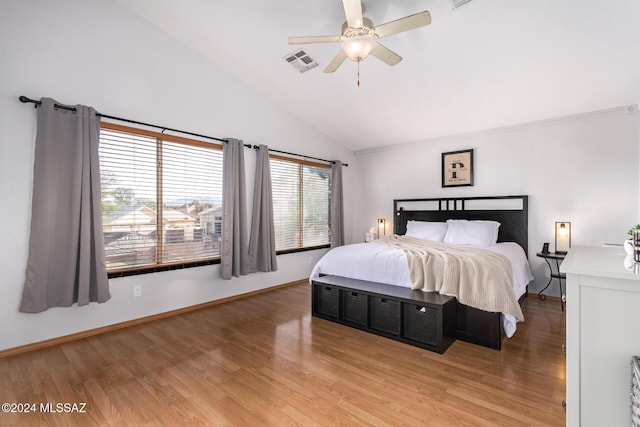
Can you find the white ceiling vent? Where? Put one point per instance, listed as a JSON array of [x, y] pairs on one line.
[[458, 3], [301, 61]]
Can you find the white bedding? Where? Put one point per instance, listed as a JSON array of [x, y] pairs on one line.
[[383, 264]]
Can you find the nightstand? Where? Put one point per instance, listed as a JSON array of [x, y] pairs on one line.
[[555, 274]]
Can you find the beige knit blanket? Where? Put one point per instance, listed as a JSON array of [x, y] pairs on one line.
[[476, 277]]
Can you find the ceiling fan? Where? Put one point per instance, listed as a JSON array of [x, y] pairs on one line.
[[359, 36]]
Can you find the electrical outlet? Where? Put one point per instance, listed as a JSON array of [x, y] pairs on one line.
[[137, 291]]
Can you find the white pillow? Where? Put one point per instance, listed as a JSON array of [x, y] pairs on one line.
[[426, 230], [465, 232]]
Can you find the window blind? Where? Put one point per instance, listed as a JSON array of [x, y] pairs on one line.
[[161, 198], [300, 203]]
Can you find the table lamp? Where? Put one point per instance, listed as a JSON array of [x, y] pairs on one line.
[[563, 237]]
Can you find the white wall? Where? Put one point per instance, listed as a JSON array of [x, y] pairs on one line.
[[580, 169], [98, 53]]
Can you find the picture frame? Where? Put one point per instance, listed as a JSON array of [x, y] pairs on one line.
[[457, 168]]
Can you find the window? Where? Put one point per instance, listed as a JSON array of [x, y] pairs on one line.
[[161, 199], [301, 194]]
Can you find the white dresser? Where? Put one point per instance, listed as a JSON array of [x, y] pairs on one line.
[[603, 332]]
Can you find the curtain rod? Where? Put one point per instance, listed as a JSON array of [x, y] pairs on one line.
[[26, 100], [301, 155]]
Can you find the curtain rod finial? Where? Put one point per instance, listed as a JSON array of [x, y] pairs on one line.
[[26, 100]]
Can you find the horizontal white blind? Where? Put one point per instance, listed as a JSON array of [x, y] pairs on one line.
[[139, 174], [286, 203], [300, 203], [316, 195], [192, 202]]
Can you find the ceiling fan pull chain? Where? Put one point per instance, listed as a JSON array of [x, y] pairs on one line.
[[358, 72]]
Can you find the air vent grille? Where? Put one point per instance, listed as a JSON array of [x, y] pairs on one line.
[[301, 61], [458, 3]]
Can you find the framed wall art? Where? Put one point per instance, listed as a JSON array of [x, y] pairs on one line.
[[457, 168]]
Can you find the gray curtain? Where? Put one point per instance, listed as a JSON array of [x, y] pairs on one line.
[[262, 244], [235, 252], [337, 210], [66, 263]]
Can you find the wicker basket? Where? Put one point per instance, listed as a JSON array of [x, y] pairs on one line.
[[635, 391]]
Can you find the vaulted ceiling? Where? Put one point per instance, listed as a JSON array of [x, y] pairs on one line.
[[483, 65]]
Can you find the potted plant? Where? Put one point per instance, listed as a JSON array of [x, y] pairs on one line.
[[628, 244]]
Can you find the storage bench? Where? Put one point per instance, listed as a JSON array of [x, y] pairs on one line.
[[422, 319]]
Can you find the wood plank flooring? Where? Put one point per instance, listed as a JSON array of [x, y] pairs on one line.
[[264, 360]]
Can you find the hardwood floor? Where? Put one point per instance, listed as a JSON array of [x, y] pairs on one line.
[[265, 361]]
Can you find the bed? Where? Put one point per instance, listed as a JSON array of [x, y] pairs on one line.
[[385, 264]]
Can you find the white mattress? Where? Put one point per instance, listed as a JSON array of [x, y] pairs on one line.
[[383, 264]]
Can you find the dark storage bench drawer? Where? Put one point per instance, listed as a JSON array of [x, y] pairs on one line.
[[430, 325], [384, 314], [421, 323], [353, 307], [325, 300]]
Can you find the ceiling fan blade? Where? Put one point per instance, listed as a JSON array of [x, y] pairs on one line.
[[353, 12], [313, 39], [336, 62], [386, 55], [404, 24]]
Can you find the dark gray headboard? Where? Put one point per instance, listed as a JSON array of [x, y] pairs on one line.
[[510, 211]]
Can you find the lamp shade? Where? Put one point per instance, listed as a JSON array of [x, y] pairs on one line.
[[382, 223], [563, 237], [358, 47]]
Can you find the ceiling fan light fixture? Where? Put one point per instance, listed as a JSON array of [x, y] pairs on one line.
[[357, 48]]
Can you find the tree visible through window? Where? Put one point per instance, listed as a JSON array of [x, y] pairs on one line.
[[161, 198]]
